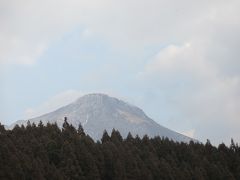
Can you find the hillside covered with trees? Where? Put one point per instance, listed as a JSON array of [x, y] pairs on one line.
[[38, 152]]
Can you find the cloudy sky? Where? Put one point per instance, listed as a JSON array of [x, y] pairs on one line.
[[177, 60]]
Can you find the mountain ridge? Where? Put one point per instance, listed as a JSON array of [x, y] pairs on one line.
[[98, 112]]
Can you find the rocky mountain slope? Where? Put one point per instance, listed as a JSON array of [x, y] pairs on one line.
[[97, 112]]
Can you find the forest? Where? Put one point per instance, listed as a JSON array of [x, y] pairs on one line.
[[39, 152]]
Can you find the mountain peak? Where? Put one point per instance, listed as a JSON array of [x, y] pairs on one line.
[[104, 100], [95, 97]]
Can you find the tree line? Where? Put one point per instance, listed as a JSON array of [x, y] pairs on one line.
[[39, 152]]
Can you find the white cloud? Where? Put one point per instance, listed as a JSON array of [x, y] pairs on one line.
[[29, 27], [53, 103], [200, 76], [178, 58], [189, 133], [200, 90]]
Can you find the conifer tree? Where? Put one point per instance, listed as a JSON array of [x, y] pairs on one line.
[[80, 130], [105, 137]]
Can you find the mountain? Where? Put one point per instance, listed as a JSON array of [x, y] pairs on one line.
[[99, 112]]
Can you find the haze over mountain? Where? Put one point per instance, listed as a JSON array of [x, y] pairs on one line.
[[99, 112]]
